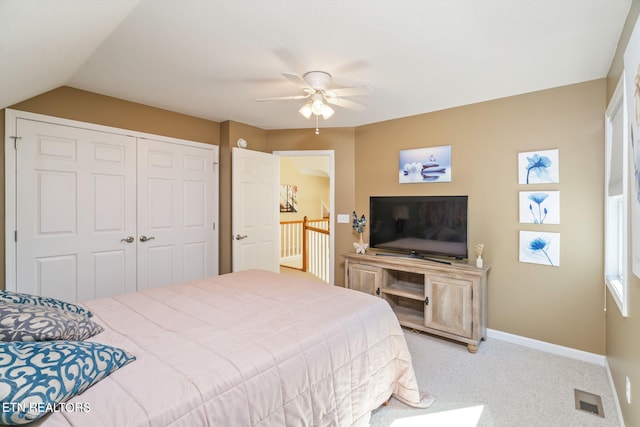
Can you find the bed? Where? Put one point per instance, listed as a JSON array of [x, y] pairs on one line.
[[250, 348]]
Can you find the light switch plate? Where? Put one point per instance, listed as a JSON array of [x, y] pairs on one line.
[[343, 219]]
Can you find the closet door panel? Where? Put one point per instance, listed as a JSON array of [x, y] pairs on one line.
[[160, 266], [176, 213], [56, 203], [110, 270], [55, 276], [75, 203], [199, 204]]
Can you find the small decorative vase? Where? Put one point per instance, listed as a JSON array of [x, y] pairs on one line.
[[479, 262], [361, 246]]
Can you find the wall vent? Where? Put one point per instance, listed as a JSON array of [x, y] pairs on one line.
[[588, 402]]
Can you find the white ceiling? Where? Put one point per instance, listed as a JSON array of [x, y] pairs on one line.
[[213, 58]]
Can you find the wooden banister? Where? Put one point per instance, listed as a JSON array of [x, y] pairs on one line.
[[313, 243], [305, 251]]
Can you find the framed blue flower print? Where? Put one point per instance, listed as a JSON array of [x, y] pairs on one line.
[[538, 167], [540, 207], [540, 248]]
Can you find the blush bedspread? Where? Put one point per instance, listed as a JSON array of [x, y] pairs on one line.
[[251, 348]]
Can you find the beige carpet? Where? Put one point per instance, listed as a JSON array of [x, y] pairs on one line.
[[502, 385], [295, 272]]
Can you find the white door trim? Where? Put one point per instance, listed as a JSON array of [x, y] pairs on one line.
[[11, 117], [332, 186]]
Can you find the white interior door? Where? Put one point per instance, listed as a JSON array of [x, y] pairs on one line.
[[255, 218], [177, 213], [75, 210]]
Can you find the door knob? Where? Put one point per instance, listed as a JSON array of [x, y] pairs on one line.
[[239, 237], [129, 239], [144, 238]]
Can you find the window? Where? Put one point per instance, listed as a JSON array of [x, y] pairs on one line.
[[616, 183]]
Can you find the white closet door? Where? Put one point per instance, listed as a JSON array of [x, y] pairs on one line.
[[75, 205], [177, 211]]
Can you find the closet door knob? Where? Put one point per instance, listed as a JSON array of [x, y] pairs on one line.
[[129, 239], [144, 238]]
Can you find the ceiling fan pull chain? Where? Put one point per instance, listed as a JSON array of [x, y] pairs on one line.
[[317, 130]]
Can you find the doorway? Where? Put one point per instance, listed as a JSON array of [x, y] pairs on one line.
[[310, 163]]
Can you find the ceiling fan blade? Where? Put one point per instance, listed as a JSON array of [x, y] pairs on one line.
[[297, 80], [350, 91], [345, 103], [283, 98]]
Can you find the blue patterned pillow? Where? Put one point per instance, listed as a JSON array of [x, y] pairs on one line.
[[18, 298], [37, 376], [26, 322]]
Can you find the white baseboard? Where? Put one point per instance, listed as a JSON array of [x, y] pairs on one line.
[[548, 347]]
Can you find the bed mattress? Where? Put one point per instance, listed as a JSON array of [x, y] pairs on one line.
[[252, 348]]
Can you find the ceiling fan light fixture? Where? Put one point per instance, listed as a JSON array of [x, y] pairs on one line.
[[317, 105], [306, 110], [327, 112], [318, 95]]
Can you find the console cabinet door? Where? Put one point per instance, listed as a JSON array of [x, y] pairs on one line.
[[450, 307], [364, 278]]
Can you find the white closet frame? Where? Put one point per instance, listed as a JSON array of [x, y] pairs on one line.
[[11, 117]]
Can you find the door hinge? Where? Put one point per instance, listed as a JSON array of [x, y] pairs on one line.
[[15, 141], [15, 235], [215, 166], [214, 226], [426, 301]]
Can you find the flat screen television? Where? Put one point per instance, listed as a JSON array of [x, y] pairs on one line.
[[419, 225]]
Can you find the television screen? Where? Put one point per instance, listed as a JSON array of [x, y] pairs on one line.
[[435, 225]]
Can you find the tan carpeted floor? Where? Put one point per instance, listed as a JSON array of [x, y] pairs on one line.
[[502, 385], [296, 272]]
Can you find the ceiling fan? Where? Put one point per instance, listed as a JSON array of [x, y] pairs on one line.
[[315, 84]]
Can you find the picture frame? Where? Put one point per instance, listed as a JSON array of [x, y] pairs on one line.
[[288, 198], [422, 165], [539, 207], [538, 167], [538, 247]]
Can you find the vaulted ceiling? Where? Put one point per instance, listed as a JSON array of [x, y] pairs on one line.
[[213, 58]]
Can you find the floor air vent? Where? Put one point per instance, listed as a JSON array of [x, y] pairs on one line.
[[588, 402]]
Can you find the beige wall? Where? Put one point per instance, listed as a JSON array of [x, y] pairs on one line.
[[623, 345], [75, 104], [561, 305], [342, 141], [313, 190]]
